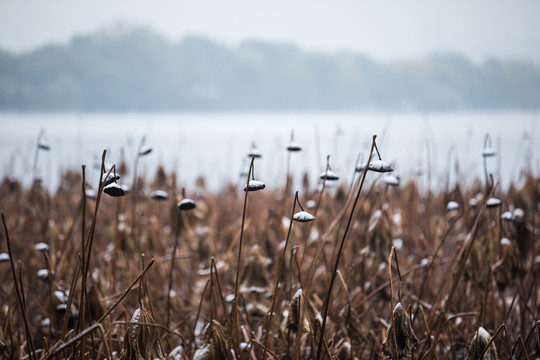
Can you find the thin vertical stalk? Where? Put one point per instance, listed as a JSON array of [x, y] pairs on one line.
[[278, 276], [340, 250], [20, 297], [173, 258], [234, 312]]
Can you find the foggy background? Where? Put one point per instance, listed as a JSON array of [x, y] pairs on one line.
[[384, 30], [262, 70]]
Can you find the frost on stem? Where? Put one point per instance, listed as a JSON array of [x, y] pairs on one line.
[[401, 334]]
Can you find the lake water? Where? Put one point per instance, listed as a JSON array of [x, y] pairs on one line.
[[215, 145]]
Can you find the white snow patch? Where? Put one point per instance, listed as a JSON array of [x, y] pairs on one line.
[[176, 353], [397, 218], [45, 322], [43, 274], [483, 333], [374, 218], [391, 179], [452, 205], [134, 320], [518, 214], [380, 166], [493, 202], [40, 246], [329, 175], [254, 185], [488, 152], [202, 352], [160, 195], [60, 296], [303, 216]]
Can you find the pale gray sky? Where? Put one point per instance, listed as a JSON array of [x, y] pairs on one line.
[[381, 29]]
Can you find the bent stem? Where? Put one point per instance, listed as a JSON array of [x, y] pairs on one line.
[[278, 276], [340, 250]]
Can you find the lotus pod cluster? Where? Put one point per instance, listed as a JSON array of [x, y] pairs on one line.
[[141, 341]]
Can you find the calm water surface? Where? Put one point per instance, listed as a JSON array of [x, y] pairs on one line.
[[215, 145]]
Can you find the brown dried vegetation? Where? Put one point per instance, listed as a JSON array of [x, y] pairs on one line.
[[496, 285]]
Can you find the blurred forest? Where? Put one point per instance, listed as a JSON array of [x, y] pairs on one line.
[[137, 70]]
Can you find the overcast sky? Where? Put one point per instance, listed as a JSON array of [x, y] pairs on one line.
[[382, 29]]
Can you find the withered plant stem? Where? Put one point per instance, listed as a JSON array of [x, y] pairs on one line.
[[70, 297], [60, 347], [317, 206], [215, 272], [87, 250], [171, 271], [20, 296], [461, 260], [487, 142], [392, 319], [83, 243], [234, 311], [141, 274], [340, 250], [197, 317], [278, 276]]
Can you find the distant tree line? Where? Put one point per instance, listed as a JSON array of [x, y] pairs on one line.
[[137, 70]]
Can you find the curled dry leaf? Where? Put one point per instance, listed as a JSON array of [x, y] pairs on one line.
[[478, 345], [214, 343], [141, 341], [400, 333]]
